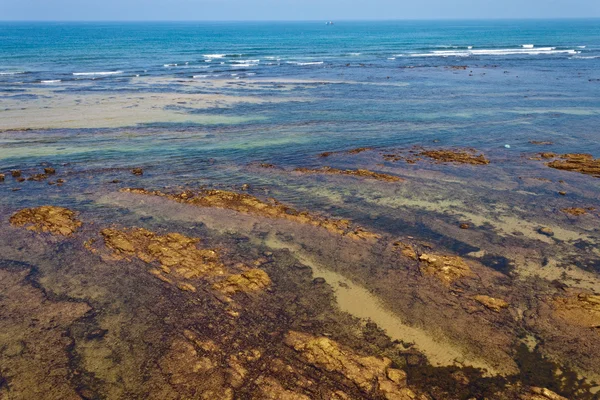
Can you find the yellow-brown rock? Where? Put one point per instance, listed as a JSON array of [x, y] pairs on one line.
[[582, 309], [406, 250], [582, 163], [370, 374], [249, 281], [446, 268], [173, 251], [490, 302], [537, 393], [56, 220], [271, 389], [245, 203]]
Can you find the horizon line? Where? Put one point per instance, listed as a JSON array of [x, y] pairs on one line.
[[313, 20]]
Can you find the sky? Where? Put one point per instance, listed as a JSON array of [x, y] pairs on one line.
[[228, 10]]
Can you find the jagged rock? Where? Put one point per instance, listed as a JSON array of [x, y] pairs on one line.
[[446, 268], [49, 170], [173, 251], [370, 374], [2, 177], [491, 302], [249, 281], [56, 220], [577, 210], [456, 156], [406, 250], [15, 173], [137, 171], [546, 231]]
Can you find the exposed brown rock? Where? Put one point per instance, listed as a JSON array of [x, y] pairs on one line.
[[464, 226], [56, 220], [370, 374], [137, 171], [49, 170], [358, 172], [577, 210], [15, 173], [2, 176], [456, 156], [175, 252], [246, 203], [249, 281], [582, 163], [359, 150], [406, 250], [490, 302], [582, 309], [446, 268], [546, 231]]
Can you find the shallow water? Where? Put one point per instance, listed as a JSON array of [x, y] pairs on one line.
[[282, 94]]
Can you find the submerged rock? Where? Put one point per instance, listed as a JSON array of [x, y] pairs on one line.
[[49, 170], [365, 173], [245, 203], [2, 176], [582, 163], [56, 220], [15, 173], [448, 269], [456, 156], [137, 171], [371, 374]]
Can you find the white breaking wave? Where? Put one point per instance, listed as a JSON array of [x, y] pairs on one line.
[[242, 65], [245, 61], [492, 52], [170, 65], [469, 47], [581, 47], [354, 54], [97, 73], [305, 63], [12, 73], [391, 58], [528, 46], [214, 55], [584, 57], [51, 81], [200, 76]]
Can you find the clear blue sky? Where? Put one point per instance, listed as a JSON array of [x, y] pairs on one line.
[[118, 10]]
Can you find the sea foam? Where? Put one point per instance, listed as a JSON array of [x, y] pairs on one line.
[[97, 73]]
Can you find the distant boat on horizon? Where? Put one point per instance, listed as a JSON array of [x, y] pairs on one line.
[[329, 23]]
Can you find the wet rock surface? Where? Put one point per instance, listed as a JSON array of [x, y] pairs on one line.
[[56, 220], [358, 172], [582, 163], [246, 203], [455, 156], [447, 269]]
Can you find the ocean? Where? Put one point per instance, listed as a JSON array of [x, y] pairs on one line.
[[388, 178]]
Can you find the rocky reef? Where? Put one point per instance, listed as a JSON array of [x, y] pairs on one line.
[[364, 173], [455, 156], [246, 203], [582, 163], [56, 220]]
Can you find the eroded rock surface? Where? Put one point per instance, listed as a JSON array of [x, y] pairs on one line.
[[448, 269], [56, 220], [582, 309], [492, 303], [371, 374], [249, 281], [246, 203]]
